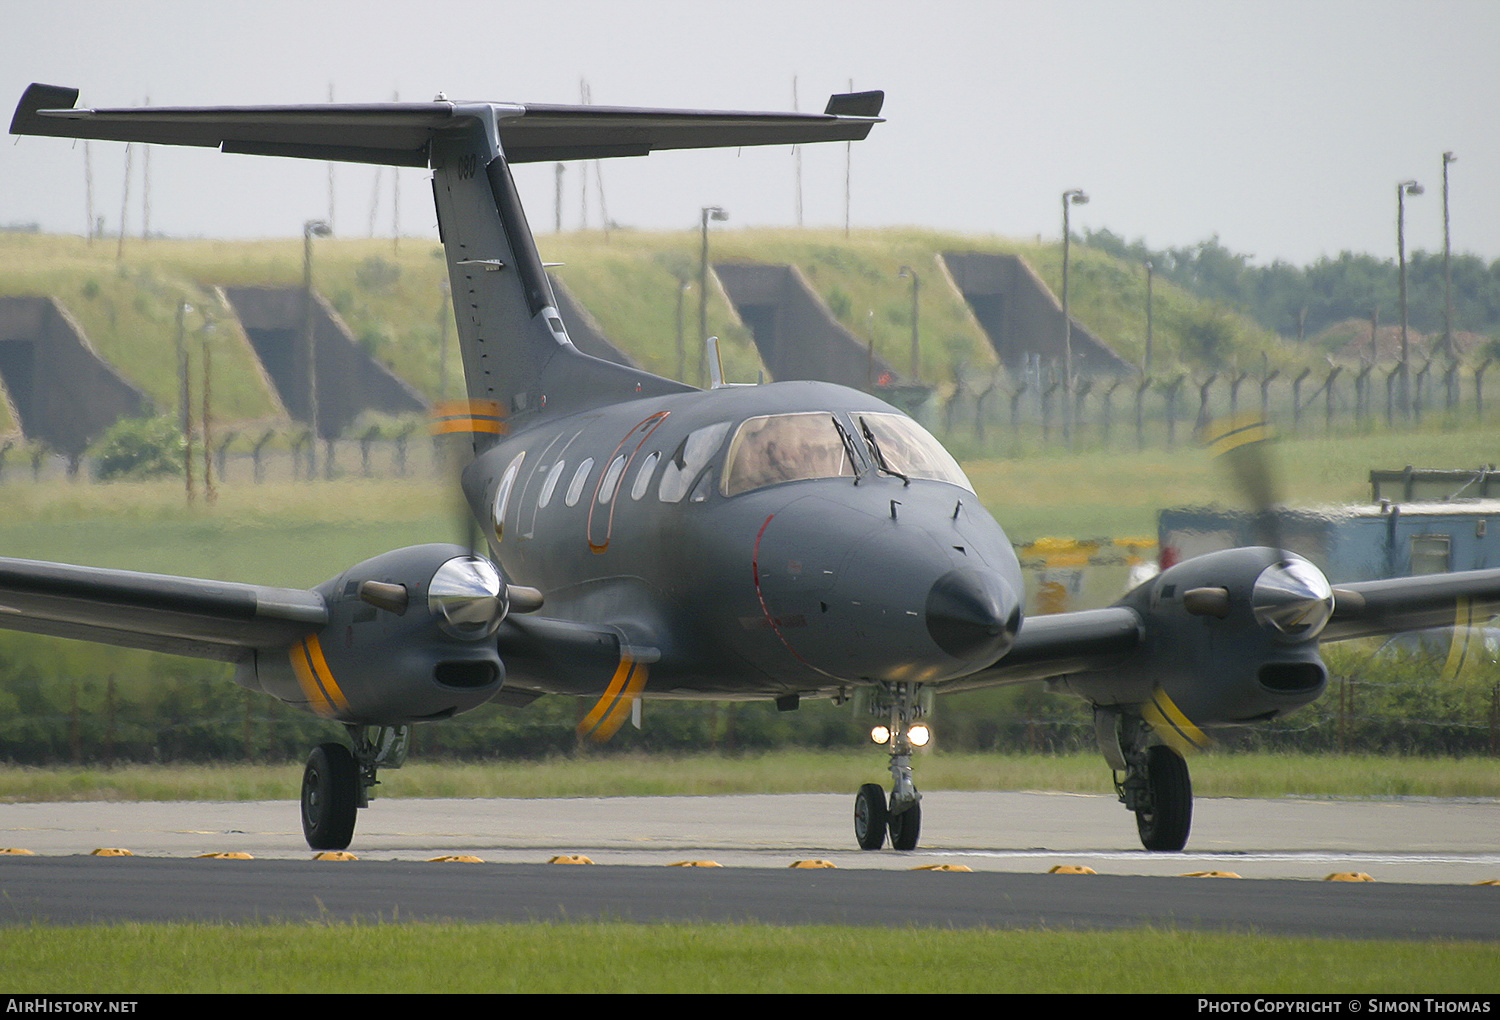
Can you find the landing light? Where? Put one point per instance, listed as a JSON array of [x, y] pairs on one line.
[[919, 735]]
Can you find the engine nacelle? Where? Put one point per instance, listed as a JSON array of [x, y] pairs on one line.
[[410, 637], [1230, 637]]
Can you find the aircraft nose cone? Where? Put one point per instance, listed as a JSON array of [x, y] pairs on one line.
[[972, 615], [1293, 597]]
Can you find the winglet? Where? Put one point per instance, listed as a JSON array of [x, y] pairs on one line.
[[855, 104], [40, 97]]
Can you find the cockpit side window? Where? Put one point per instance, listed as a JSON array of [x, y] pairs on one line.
[[690, 457], [911, 450], [785, 448]]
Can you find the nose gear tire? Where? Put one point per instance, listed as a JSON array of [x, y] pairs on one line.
[[870, 817]]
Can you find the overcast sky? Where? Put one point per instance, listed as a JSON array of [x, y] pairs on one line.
[[1282, 126]]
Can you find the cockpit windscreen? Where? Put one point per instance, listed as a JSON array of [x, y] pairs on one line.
[[785, 448], [911, 450]]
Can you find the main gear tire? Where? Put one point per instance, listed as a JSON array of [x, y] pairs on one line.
[[1165, 825], [330, 797]]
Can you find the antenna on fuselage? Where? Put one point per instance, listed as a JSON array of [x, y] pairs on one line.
[[715, 364]]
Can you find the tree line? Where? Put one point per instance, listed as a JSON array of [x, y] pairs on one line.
[[1299, 301]]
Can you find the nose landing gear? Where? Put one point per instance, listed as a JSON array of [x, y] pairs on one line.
[[900, 705]]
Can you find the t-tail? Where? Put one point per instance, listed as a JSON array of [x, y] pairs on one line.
[[518, 359]]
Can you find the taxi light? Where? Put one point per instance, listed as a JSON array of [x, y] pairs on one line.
[[880, 734], [919, 735]]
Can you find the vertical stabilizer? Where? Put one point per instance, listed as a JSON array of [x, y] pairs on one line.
[[516, 350]]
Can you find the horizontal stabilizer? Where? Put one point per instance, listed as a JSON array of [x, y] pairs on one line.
[[399, 133]]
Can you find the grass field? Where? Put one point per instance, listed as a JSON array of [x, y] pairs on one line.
[[620, 958], [611, 775]]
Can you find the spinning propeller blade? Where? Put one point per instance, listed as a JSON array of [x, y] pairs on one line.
[[1243, 443], [461, 426]]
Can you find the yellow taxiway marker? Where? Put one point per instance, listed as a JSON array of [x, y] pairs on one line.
[[1348, 876], [229, 855], [811, 864], [570, 859], [943, 867], [111, 851], [1208, 874], [695, 864], [1071, 869], [334, 855], [459, 858]]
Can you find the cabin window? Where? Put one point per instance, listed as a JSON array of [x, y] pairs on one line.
[[785, 448], [611, 479], [691, 457], [910, 449], [575, 487], [502, 494], [643, 477], [549, 485]]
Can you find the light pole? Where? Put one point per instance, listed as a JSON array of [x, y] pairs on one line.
[[311, 229], [1071, 197], [210, 495], [682, 286], [916, 336], [184, 399], [1448, 157], [1149, 268], [1402, 190], [715, 213]]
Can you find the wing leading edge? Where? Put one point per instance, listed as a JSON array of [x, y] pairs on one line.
[[182, 615]]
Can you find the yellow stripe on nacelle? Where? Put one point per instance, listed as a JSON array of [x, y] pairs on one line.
[[316, 679], [608, 714], [1174, 728]]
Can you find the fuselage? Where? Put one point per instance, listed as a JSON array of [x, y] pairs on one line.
[[758, 538]]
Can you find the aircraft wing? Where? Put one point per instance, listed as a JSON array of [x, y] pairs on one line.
[[1371, 608], [1055, 645], [398, 133], [1145, 633], [180, 615]]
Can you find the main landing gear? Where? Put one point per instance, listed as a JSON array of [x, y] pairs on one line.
[[1156, 784], [337, 781], [900, 705]]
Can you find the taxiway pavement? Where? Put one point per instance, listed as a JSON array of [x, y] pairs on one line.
[[1425, 858], [1407, 840]]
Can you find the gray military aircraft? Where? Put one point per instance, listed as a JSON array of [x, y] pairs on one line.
[[648, 539]]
